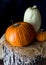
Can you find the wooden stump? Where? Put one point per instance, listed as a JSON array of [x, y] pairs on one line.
[[34, 54]]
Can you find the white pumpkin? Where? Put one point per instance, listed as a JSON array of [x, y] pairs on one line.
[[32, 15]]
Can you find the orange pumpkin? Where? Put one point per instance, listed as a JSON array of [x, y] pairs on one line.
[[20, 34], [41, 36]]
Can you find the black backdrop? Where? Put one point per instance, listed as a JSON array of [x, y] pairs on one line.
[[14, 9]]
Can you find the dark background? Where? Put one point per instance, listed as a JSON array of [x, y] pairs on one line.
[[14, 10]]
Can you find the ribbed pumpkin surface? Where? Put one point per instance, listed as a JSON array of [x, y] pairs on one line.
[[41, 37], [20, 34]]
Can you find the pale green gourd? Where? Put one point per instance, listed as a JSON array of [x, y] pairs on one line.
[[32, 15]]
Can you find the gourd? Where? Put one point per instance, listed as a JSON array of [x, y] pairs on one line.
[[32, 15], [20, 34], [41, 36]]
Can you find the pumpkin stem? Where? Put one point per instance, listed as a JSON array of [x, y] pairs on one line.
[[11, 21], [34, 7], [41, 30], [16, 24]]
